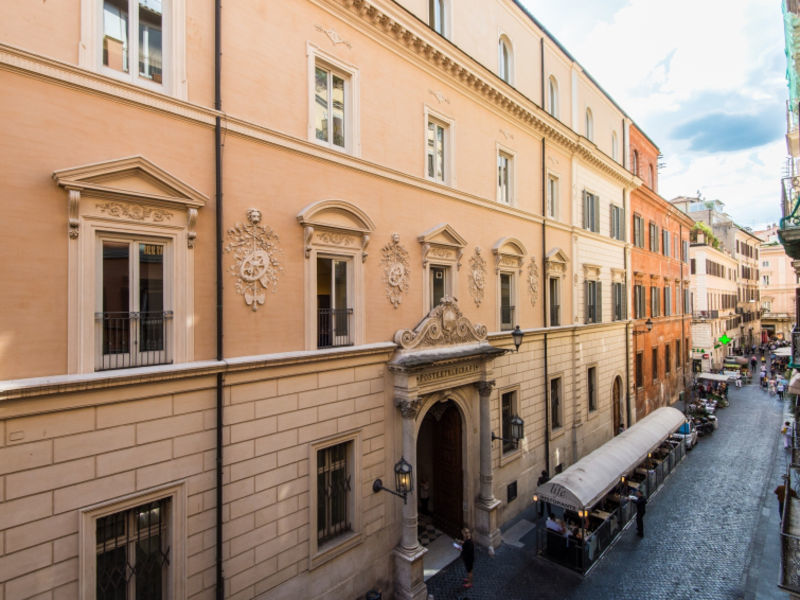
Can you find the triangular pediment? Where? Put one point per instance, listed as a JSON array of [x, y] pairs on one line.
[[133, 178], [442, 235], [557, 256]]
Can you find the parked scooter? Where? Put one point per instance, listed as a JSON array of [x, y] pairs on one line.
[[703, 426]]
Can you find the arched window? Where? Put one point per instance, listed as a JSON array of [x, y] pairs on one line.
[[650, 177], [437, 13], [504, 59], [635, 165], [589, 125], [614, 149], [552, 97]]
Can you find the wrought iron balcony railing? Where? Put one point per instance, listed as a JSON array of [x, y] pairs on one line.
[[334, 327], [133, 339]]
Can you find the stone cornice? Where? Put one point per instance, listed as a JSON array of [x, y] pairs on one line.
[[450, 60]]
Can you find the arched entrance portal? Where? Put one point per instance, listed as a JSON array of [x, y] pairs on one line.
[[616, 397], [440, 466]]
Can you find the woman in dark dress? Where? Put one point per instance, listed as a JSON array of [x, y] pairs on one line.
[[468, 556]]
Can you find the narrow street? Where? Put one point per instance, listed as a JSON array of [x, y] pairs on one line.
[[711, 532]]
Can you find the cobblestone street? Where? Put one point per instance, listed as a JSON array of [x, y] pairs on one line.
[[711, 532]]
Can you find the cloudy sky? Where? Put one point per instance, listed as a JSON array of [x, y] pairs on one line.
[[704, 79]]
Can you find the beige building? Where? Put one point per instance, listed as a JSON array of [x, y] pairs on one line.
[[778, 284], [714, 297], [236, 293]]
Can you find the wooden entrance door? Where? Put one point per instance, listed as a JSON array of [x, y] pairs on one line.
[[447, 468]]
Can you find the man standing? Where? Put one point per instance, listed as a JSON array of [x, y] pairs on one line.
[[543, 478], [641, 506]]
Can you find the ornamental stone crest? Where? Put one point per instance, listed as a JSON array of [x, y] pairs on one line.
[[394, 259], [533, 281], [477, 277], [256, 267], [135, 211], [444, 325]]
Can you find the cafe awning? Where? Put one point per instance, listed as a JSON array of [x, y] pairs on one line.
[[712, 376], [783, 352], [794, 384], [583, 484]]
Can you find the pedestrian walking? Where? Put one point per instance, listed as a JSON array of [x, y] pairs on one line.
[[780, 492], [780, 389], [467, 555], [641, 506], [786, 431]]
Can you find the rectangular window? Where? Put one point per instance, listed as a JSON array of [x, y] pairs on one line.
[[436, 15], [667, 301], [440, 284], [334, 310], [638, 231], [591, 212], [593, 300], [555, 403], [685, 251], [655, 363], [334, 493], [330, 103], [133, 552], [504, 177], [591, 388], [508, 409], [653, 237], [436, 149], [639, 369], [639, 302], [506, 301], [677, 354], [667, 360], [665, 242], [655, 302], [552, 196], [133, 32], [555, 301], [619, 300], [133, 318], [617, 223]]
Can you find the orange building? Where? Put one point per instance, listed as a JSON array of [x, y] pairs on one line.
[[660, 293]]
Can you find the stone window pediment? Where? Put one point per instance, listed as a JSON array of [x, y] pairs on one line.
[[335, 224], [442, 244], [509, 253], [131, 189], [618, 275], [556, 263], [591, 272]]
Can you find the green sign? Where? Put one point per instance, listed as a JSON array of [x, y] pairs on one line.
[[724, 339]]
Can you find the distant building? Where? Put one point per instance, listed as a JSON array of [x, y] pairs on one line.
[[778, 284]]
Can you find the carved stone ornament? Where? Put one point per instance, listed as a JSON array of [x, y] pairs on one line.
[[333, 36], [256, 266], [409, 407], [444, 325], [394, 259], [135, 212], [485, 387], [533, 281], [477, 277]]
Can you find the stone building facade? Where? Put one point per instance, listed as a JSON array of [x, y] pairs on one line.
[[661, 300], [237, 292]]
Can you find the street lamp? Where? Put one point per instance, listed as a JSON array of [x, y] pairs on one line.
[[402, 481], [517, 336], [648, 327], [516, 431]]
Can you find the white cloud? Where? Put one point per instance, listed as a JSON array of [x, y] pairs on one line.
[[669, 63]]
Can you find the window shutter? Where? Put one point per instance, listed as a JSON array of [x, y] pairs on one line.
[[622, 224], [624, 290], [585, 211], [596, 227], [586, 301], [598, 303]]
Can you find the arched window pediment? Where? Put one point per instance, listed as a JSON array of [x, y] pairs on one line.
[[510, 253], [335, 223]]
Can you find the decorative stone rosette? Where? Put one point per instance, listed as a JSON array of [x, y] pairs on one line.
[[396, 274], [477, 277], [533, 281], [256, 266]]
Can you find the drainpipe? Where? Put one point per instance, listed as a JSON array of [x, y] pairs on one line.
[[683, 321], [545, 283], [220, 587], [627, 331]]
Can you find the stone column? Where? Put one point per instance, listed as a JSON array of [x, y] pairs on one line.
[[487, 532], [409, 567]]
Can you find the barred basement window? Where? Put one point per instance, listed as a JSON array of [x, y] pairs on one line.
[[133, 553], [333, 492]]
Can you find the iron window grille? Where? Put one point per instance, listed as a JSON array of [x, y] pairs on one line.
[[333, 492]]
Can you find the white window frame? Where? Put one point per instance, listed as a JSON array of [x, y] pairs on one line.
[[447, 246], [352, 130], [432, 116], [589, 124], [505, 68], [513, 300], [90, 48], [614, 146], [447, 274], [552, 196], [87, 533], [446, 24], [552, 96], [319, 555], [510, 173], [558, 310]]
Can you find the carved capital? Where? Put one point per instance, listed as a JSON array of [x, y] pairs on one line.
[[73, 202], [409, 407], [308, 235], [485, 387], [191, 222]]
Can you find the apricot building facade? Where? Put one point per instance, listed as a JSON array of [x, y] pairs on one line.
[[255, 260]]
